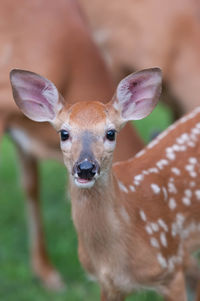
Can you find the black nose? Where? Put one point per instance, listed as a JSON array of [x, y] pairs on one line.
[[86, 170]]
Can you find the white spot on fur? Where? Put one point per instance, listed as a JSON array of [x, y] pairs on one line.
[[122, 187], [176, 147], [132, 188], [174, 229], [173, 260], [192, 184], [153, 170], [155, 188], [148, 229], [154, 227], [153, 143], [138, 179], [193, 174], [172, 188], [177, 226], [163, 224], [163, 239], [172, 203], [186, 201], [160, 164], [185, 137], [188, 193], [154, 242], [170, 156], [141, 153], [193, 160], [183, 148], [195, 131], [143, 216], [171, 263], [189, 167], [165, 193], [180, 219], [176, 171], [162, 261], [145, 172]]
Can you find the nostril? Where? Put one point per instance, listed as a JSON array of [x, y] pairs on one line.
[[86, 170]]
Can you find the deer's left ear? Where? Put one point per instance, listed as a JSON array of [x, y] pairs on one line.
[[138, 94]]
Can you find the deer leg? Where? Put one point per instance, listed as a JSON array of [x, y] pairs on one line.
[[112, 297], [176, 290], [2, 125], [192, 278], [198, 292], [40, 261]]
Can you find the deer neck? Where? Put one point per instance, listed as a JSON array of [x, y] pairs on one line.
[[94, 212]]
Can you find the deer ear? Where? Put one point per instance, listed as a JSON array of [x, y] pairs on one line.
[[35, 95], [138, 94]]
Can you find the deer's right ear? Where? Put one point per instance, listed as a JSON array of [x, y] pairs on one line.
[[35, 95], [138, 94]]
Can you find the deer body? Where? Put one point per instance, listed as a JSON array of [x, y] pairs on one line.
[[155, 208], [173, 45], [53, 39], [43, 43], [137, 221]]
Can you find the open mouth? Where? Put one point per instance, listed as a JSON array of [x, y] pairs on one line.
[[84, 183]]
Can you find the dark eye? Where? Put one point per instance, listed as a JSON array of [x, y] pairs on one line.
[[64, 135], [110, 135]]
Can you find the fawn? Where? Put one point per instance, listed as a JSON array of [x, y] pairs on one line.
[[137, 221], [55, 40]]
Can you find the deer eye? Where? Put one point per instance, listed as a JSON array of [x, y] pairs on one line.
[[64, 135], [110, 135]]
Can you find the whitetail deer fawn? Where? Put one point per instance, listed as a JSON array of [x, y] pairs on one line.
[[53, 39], [138, 220]]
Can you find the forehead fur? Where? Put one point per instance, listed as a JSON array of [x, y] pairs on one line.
[[86, 113]]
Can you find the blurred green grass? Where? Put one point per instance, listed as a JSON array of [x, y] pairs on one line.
[[17, 281]]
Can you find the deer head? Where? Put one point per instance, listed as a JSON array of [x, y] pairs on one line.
[[87, 130]]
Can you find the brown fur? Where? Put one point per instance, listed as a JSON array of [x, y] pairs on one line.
[[53, 39], [137, 34]]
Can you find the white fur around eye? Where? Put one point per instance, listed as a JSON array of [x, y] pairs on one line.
[[109, 145], [66, 145]]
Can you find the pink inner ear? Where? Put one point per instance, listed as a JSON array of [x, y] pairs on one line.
[[36, 96], [138, 93]]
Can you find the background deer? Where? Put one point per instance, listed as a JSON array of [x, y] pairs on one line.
[[138, 220], [53, 39], [136, 34]]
